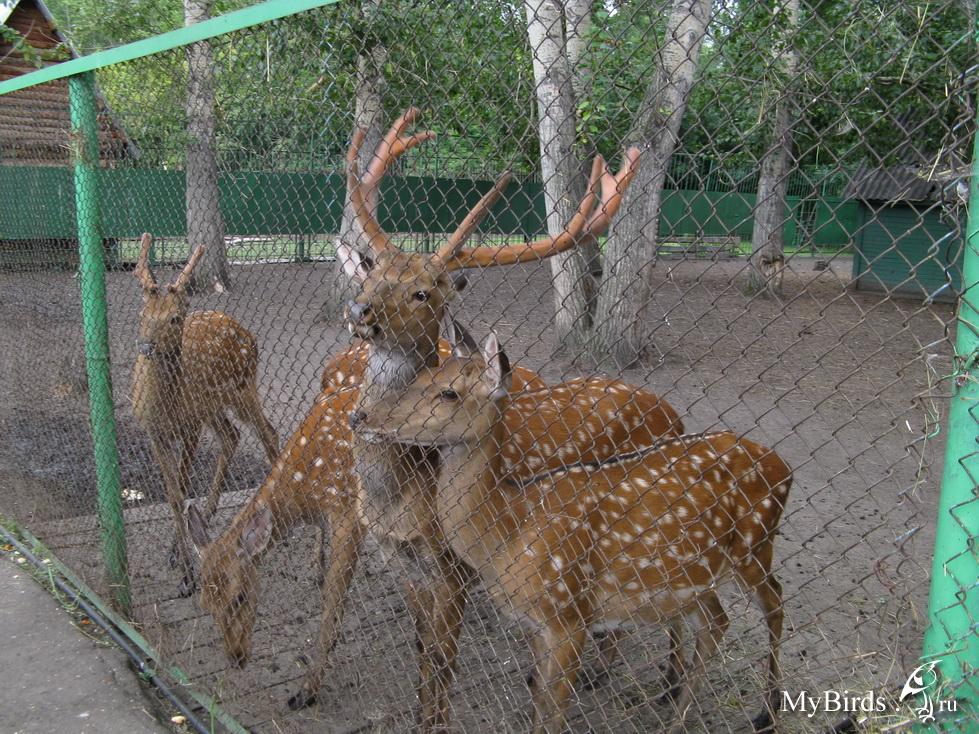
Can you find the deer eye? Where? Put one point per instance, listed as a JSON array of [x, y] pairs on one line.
[[174, 320], [239, 601], [421, 296], [449, 395]]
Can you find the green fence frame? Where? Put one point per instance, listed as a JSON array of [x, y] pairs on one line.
[[952, 637]]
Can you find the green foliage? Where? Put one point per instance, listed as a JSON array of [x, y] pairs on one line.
[[36, 56], [874, 79]]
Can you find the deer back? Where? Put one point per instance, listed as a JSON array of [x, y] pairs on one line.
[[220, 356]]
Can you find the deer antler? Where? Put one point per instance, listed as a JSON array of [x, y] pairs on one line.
[[181, 282], [364, 192], [142, 272], [585, 224], [468, 225], [613, 187]]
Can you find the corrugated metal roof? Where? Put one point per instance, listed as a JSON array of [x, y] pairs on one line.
[[892, 184]]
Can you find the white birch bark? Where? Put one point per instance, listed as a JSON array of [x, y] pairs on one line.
[[767, 237], [629, 253], [368, 114], [559, 164]]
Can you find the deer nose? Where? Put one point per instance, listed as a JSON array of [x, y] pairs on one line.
[[356, 418], [357, 311]]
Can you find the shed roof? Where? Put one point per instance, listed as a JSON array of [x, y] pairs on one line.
[[906, 182], [34, 122]]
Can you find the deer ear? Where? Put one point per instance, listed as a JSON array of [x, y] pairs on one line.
[[197, 528], [497, 373], [354, 264], [256, 533], [462, 343]]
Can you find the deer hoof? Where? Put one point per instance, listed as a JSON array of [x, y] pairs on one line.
[[763, 723], [671, 695], [186, 587], [301, 699], [592, 679]]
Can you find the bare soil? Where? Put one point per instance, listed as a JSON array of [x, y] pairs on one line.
[[843, 384]]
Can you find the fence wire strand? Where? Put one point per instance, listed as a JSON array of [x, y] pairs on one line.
[[723, 404]]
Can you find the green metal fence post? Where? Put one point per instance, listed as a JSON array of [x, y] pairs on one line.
[[85, 157], [952, 636]]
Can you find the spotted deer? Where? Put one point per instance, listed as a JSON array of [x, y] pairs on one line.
[[191, 369], [327, 477], [644, 536]]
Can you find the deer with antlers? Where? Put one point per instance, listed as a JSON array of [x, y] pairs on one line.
[[640, 537], [325, 476], [191, 369]]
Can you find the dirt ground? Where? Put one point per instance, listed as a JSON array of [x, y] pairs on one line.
[[843, 384]]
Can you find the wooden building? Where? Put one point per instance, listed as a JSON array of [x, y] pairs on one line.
[[34, 122]]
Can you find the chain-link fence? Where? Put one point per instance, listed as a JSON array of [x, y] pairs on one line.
[[768, 264]]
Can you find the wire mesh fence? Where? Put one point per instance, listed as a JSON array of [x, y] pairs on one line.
[[767, 266]]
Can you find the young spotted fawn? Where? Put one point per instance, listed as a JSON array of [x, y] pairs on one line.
[[191, 369], [645, 536]]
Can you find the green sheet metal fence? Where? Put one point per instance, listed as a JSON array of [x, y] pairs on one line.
[[258, 203]]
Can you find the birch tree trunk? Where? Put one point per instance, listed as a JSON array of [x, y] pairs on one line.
[[559, 164], [767, 261], [629, 253], [368, 114], [205, 224], [577, 22]]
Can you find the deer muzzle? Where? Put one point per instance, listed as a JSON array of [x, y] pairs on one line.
[[360, 320], [357, 417], [362, 429]]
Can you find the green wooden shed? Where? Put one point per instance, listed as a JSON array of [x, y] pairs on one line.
[[910, 237]]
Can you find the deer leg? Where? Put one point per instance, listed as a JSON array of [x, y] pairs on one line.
[[421, 603], [595, 676], [229, 436], [754, 575], [346, 540], [674, 670], [712, 623], [251, 412], [175, 491], [189, 439], [557, 650], [438, 611]]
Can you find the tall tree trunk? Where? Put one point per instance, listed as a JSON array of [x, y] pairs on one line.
[[368, 114], [559, 164], [767, 260], [205, 225], [577, 25], [629, 253]]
